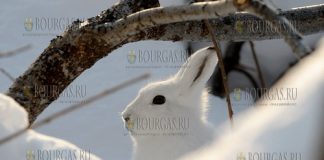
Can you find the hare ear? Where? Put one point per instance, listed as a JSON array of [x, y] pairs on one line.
[[198, 69]]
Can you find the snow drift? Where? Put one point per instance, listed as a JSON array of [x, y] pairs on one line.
[[32, 145]]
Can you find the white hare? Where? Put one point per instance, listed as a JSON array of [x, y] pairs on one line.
[[167, 119]]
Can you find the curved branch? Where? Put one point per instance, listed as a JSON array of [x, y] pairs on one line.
[[66, 57]]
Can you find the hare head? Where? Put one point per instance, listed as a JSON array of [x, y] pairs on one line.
[[167, 118], [175, 99]]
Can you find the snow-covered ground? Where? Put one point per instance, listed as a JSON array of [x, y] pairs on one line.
[[99, 128], [31, 145]]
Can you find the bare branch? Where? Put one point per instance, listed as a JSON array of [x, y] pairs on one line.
[[7, 74], [291, 35], [257, 65], [222, 70], [75, 107], [15, 51]]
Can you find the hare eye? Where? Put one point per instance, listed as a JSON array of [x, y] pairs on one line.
[[159, 99]]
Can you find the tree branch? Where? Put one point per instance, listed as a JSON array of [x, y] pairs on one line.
[[84, 43], [7, 74], [257, 65], [15, 51], [238, 27], [223, 72], [66, 57], [291, 35]]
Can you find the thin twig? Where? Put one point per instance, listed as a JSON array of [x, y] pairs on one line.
[[222, 69], [75, 107], [15, 51], [7, 74], [257, 64]]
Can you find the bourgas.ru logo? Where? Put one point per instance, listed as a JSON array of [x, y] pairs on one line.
[[262, 26], [158, 126], [237, 94], [41, 154], [274, 96], [131, 57], [239, 27], [28, 24], [47, 25], [269, 156], [74, 93], [156, 58]]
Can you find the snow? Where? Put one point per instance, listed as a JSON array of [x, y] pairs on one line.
[[11, 116], [275, 129], [99, 127], [14, 118]]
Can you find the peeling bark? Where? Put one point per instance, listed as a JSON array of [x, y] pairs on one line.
[[84, 43]]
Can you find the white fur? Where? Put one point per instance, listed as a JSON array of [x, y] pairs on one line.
[[186, 99]]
